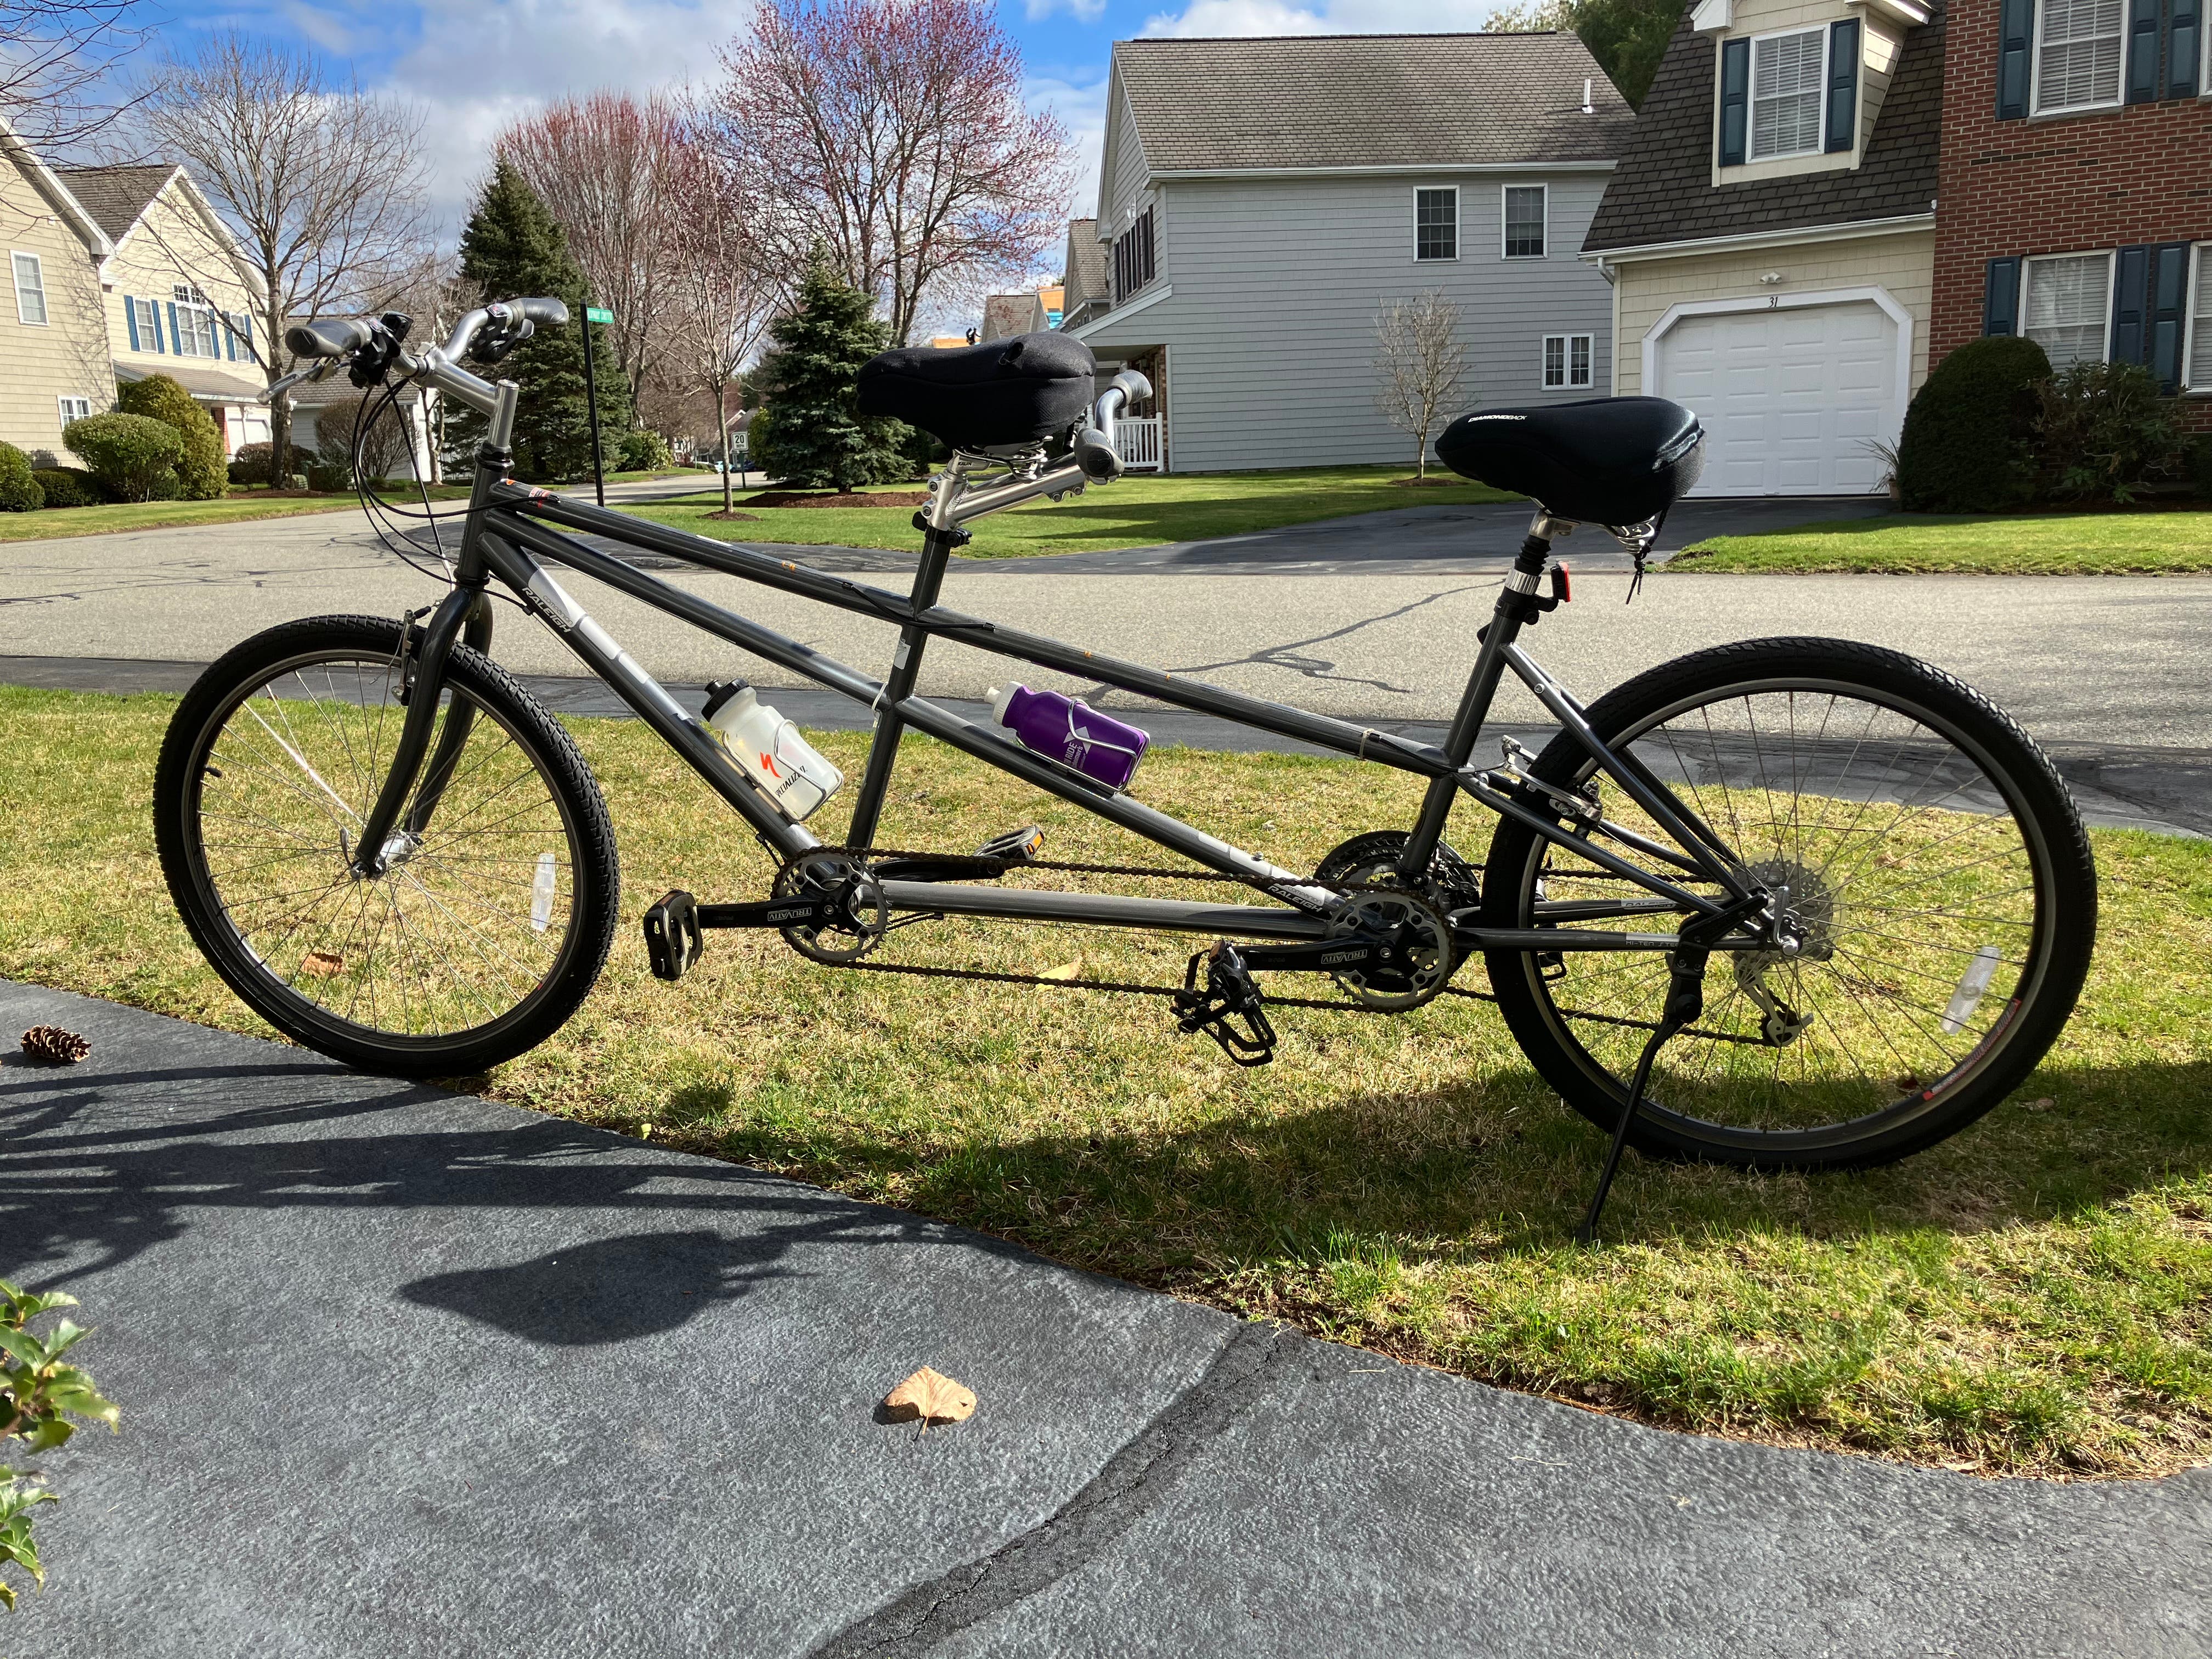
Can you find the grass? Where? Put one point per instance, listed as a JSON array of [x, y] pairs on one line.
[[2033, 1296], [1138, 511], [2164, 543], [112, 518]]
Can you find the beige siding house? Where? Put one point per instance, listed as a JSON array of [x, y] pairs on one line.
[[1771, 238], [176, 293], [53, 341]]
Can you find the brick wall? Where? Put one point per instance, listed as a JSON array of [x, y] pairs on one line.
[[2057, 184]]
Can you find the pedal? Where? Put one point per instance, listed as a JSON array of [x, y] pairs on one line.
[[1021, 846], [673, 939], [1231, 996]]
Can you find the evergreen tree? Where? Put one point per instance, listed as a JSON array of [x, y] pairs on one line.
[[513, 249], [810, 433]]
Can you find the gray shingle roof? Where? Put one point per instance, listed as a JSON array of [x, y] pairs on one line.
[[1085, 276], [1369, 100], [115, 197], [1663, 191]]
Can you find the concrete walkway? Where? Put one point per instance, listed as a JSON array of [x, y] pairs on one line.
[[404, 1373]]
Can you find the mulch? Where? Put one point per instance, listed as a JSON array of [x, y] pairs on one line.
[[847, 498]]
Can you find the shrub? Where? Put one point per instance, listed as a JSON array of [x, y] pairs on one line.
[[200, 475], [643, 451], [2103, 432], [250, 465], [19, 490], [1965, 445], [134, 456], [42, 1393], [330, 467], [68, 486], [2200, 468]]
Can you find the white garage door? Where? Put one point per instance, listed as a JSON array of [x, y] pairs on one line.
[[1789, 398]]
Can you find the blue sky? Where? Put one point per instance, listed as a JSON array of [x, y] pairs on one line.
[[474, 65]]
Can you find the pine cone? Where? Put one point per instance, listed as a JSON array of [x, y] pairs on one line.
[[55, 1046]]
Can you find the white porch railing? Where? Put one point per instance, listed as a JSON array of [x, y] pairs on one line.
[[1139, 440]]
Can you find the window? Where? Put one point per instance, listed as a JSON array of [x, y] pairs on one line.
[[2197, 374], [145, 325], [1134, 262], [1436, 224], [75, 409], [195, 318], [1788, 72], [2078, 52], [1524, 220], [30, 290], [1566, 362], [2070, 306]]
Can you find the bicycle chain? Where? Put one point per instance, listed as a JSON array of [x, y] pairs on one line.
[[1126, 988]]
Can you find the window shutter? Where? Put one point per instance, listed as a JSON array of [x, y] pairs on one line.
[[2168, 296], [130, 320], [1736, 95], [2001, 298], [176, 337], [2143, 22], [2015, 25], [2130, 282], [2184, 36], [154, 317], [230, 340], [1843, 84], [245, 335]]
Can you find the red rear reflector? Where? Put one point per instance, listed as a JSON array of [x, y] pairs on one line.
[[1562, 584]]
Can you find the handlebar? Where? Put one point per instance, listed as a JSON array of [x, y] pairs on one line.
[[328, 336], [1095, 450]]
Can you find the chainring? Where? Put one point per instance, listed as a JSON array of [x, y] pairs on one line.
[[867, 913], [1422, 934]]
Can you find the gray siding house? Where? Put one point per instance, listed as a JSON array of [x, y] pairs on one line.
[[1262, 199]]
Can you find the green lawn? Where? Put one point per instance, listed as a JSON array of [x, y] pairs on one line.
[[2035, 1295], [112, 517], [2052, 544], [1138, 511]]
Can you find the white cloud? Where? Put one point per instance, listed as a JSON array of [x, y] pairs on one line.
[[480, 63], [1084, 11], [1248, 17], [1083, 109]]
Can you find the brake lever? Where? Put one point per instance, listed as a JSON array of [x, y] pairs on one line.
[[321, 371]]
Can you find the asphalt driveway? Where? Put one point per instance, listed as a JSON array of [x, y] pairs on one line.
[[405, 1372]]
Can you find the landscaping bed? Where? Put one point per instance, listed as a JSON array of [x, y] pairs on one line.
[[2033, 1296]]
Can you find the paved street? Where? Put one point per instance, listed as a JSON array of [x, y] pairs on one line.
[[406, 1373], [2107, 671]]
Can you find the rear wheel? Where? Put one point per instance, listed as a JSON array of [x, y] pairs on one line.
[[1934, 866], [495, 914]]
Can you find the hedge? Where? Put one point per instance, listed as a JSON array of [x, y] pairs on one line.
[[1965, 448]]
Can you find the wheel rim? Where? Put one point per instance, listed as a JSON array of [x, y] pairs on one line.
[[1916, 871], [476, 915]]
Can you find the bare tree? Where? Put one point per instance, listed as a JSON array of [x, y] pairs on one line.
[[605, 167], [893, 131], [57, 58], [718, 295], [1420, 366], [322, 182]]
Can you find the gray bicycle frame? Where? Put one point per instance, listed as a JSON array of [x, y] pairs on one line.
[[511, 529]]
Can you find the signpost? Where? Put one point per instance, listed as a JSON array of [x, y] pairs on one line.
[[601, 315]]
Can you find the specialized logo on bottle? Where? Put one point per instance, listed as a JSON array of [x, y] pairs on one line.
[[768, 765]]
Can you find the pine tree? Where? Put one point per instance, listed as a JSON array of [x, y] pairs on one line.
[[810, 434], [513, 249]]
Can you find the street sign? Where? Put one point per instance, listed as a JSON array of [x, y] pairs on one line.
[[598, 315]]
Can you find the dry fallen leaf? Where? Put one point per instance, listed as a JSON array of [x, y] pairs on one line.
[[1065, 970], [931, 1397], [322, 963]]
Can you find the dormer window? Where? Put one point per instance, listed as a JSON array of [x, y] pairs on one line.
[[1787, 71]]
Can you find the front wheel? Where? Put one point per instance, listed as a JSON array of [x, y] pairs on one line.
[[496, 905], [1933, 865]]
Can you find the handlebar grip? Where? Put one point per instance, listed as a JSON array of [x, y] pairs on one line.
[[1100, 461], [552, 313], [330, 336]]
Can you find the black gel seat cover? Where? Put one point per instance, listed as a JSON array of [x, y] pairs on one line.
[[1004, 392], [1603, 460]]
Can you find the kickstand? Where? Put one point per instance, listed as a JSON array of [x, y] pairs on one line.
[[1685, 1001]]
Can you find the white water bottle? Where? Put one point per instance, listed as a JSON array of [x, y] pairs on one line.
[[769, 749]]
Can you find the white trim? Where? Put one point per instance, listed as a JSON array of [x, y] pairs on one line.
[[1165, 291], [46, 318], [1833, 296], [2027, 270], [1567, 361], [49, 184], [1457, 218], [1758, 239], [1546, 233], [2035, 69], [1401, 169], [2200, 256], [1712, 16], [1903, 11], [1751, 155]]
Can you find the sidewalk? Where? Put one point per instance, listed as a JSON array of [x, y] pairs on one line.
[[408, 1373]]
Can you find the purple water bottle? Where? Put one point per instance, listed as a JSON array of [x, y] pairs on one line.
[[1074, 733]]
